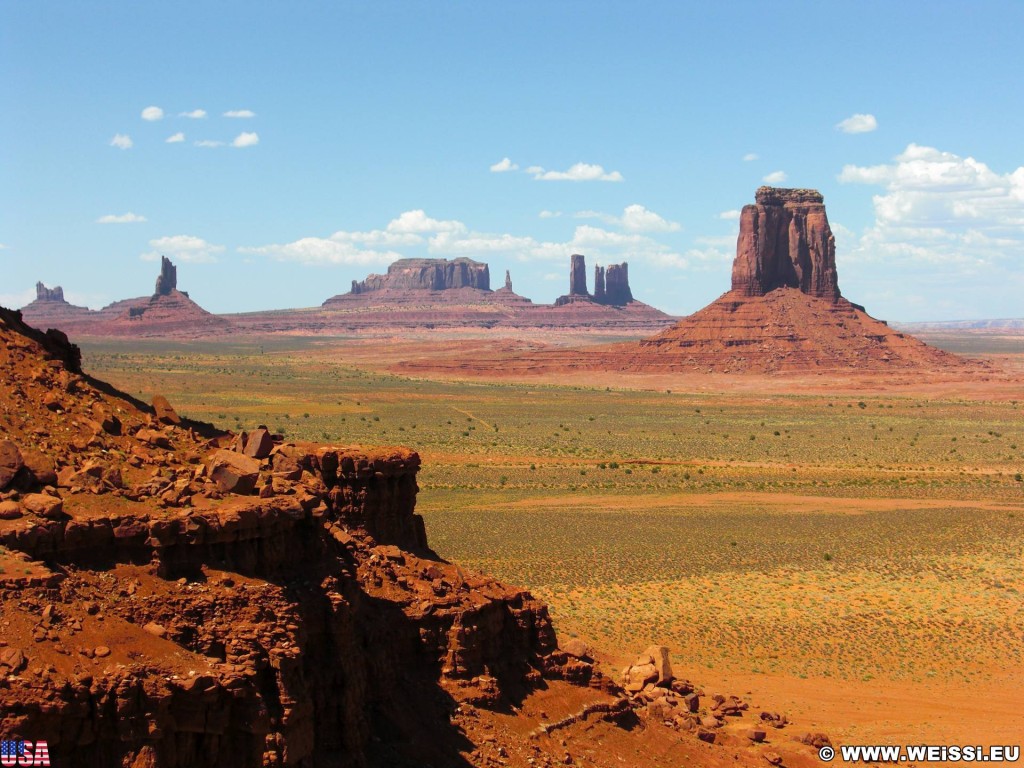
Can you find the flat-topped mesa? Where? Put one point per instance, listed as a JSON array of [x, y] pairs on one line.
[[785, 242], [428, 275], [49, 294], [167, 280]]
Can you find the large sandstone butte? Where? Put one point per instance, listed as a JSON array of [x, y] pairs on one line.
[[785, 242], [172, 596], [785, 311]]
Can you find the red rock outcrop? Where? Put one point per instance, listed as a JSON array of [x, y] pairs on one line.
[[785, 242], [290, 615]]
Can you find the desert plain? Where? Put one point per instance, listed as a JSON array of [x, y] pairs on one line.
[[847, 549]]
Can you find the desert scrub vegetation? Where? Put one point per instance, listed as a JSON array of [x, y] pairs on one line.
[[815, 535]]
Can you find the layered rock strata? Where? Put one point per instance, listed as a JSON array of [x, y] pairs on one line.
[[785, 242]]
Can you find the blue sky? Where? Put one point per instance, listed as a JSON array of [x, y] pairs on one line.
[[632, 131]]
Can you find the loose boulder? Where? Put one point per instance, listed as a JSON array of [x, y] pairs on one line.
[[258, 444], [10, 462], [234, 472], [163, 411]]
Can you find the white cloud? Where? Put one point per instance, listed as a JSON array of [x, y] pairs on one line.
[[418, 222], [775, 177], [3, 247], [578, 172], [636, 218], [195, 114], [240, 113], [415, 230], [209, 143], [549, 214], [365, 248], [599, 244], [938, 208], [732, 215], [504, 165], [121, 141], [462, 243], [246, 140], [858, 124], [123, 218], [318, 251], [185, 248], [750, 157], [176, 138], [152, 113]]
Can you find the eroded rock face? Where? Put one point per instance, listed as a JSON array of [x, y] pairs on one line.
[[428, 275], [578, 275], [167, 280], [785, 242]]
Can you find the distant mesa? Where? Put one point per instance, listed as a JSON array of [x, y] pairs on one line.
[[442, 293], [167, 312], [51, 304], [428, 275], [785, 311], [611, 284]]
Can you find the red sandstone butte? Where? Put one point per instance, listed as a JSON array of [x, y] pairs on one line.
[[785, 242]]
